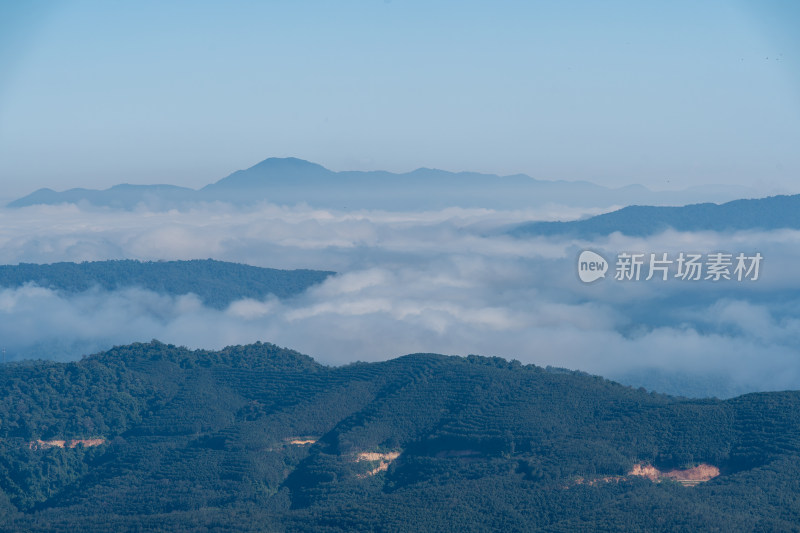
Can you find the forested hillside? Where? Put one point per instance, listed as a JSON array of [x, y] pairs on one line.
[[217, 283], [773, 212], [154, 436]]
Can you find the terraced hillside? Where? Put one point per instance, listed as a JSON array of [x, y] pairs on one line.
[[259, 437]]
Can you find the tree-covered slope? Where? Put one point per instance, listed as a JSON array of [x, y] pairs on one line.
[[153, 436], [217, 283], [774, 212]]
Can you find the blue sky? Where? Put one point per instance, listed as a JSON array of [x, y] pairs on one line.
[[668, 94]]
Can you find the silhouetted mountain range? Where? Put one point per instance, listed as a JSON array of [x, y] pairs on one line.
[[774, 212], [217, 283], [292, 181]]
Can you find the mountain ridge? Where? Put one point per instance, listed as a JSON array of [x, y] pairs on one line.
[[291, 181], [772, 212], [260, 437], [216, 283]]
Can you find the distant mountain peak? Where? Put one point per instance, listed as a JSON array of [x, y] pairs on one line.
[[273, 171], [293, 181], [286, 163]]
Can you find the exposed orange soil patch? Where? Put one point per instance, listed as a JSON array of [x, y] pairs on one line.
[[689, 477], [384, 460], [40, 444], [301, 442]]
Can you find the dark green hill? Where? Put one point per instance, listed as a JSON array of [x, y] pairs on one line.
[[774, 212], [257, 437], [217, 283]]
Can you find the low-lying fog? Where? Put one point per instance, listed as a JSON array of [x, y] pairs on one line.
[[448, 282]]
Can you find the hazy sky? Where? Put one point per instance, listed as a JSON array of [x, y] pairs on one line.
[[662, 93]]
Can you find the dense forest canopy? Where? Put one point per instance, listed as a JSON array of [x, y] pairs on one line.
[[773, 212], [154, 436], [217, 283]]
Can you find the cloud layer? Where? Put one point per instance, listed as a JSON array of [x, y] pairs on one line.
[[446, 281]]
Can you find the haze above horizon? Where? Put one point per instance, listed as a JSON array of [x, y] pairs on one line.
[[667, 96]]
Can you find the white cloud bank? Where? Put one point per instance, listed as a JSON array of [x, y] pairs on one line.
[[443, 282]]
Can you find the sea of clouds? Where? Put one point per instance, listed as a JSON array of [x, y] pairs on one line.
[[445, 281]]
